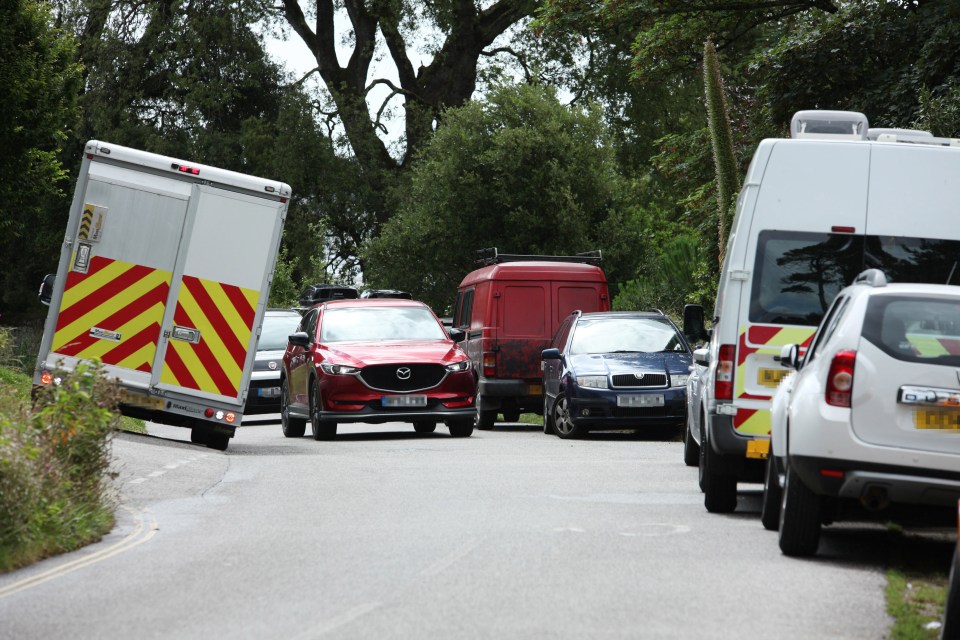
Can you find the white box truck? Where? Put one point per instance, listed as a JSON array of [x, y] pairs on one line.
[[164, 277], [815, 210]]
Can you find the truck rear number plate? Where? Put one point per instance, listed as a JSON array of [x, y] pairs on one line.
[[645, 400], [404, 401], [771, 377], [139, 400], [937, 419]]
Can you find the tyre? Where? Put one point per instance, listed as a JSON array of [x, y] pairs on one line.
[[218, 441], [563, 424], [424, 426], [460, 428], [799, 517], [484, 419], [511, 415], [951, 610], [292, 427], [719, 489], [772, 494], [547, 422], [691, 450], [322, 429], [198, 436]]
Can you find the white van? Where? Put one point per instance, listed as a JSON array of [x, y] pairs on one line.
[[815, 211]]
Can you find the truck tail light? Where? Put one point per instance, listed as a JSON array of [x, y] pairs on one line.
[[723, 382], [489, 364], [840, 379]]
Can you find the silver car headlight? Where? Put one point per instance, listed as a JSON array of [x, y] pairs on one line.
[[339, 369], [593, 382], [679, 380], [458, 367]]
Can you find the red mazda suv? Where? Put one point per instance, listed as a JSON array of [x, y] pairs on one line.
[[375, 360]]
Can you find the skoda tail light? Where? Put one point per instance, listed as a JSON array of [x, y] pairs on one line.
[[840, 379], [726, 365]]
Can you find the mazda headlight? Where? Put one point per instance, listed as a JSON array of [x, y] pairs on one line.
[[339, 369], [593, 382], [679, 380], [458, 367]]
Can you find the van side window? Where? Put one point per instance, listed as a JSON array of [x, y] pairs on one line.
[[464, 310]]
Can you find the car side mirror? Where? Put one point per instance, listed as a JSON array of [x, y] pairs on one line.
[[694, 326], [46, 288], [299, 339], [702, 356], [457, 335], [550, 354], [790, 356]]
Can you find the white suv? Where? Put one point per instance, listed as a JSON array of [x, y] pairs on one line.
[[869, 424]]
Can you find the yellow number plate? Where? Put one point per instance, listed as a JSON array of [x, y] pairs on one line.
[[937, 419], [139, 400], [758, 449], [535, 390], [771, 377]]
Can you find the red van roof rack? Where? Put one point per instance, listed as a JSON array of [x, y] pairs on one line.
[[491, 256]]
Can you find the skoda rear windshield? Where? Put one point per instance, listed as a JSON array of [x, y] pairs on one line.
[[797, 274]]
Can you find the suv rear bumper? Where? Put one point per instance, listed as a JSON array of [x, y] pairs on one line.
[[862, 481]]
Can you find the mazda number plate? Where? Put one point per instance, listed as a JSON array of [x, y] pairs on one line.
[[404, 401], [937, 419], [636, 400]]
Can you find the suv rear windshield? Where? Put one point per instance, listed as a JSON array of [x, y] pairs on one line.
[[797, 274], [915, 328]]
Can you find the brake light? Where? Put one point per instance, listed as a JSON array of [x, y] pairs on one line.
[[182, 168], [489, 364], [723, 381], [840, 379]]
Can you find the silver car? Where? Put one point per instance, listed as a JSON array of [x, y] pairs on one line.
[[264, 393]]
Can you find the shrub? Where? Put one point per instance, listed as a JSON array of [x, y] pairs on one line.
[[54, 465]]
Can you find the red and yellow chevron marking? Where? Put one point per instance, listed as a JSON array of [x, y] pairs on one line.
[[932, 346], [114, 296], [224, 316], [761, 339]]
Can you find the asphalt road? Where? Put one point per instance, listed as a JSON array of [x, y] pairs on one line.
[[384, 533]]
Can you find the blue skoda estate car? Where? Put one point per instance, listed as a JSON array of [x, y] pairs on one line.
[[615, 370]]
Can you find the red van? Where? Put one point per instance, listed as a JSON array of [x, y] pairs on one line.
[[510, 309]]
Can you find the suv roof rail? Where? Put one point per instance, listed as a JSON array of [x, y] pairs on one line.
[[872, 277], [491, 256]]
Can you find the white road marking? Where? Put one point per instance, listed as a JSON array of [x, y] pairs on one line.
[[156, 474], [336, 622], [443, 563]]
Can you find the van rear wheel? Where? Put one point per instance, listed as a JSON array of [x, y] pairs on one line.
[[424, 426], [719, 490], [485, 418]]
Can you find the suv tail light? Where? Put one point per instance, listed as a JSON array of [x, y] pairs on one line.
[[840, 379], [723, 382], [489, 364]]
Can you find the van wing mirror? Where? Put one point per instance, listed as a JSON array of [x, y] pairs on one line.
[[694, 327], [299, 339], [790, 356], [702, 356], [46, 288], [550, 354]]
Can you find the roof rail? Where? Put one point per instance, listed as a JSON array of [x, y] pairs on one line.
[[490, 256], [875, 132], [829, 125], [871, 277], [914, 137]]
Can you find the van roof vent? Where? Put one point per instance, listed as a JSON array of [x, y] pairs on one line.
[[911, 137], [491, 256], [829, 125], [874, 133], [872, 277]]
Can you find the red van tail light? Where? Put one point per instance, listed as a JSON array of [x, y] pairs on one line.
[[840, 379], [723, 382], [489, 364]]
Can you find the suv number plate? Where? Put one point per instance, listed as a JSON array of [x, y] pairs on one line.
[[404, 401], [937, 419], [645, 400]]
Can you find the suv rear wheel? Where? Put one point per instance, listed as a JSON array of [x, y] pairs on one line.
[[772, 494], [799, 517]]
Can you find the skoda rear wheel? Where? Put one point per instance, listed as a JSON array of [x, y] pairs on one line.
[[292, 427], [322, 429], [563, 424]]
